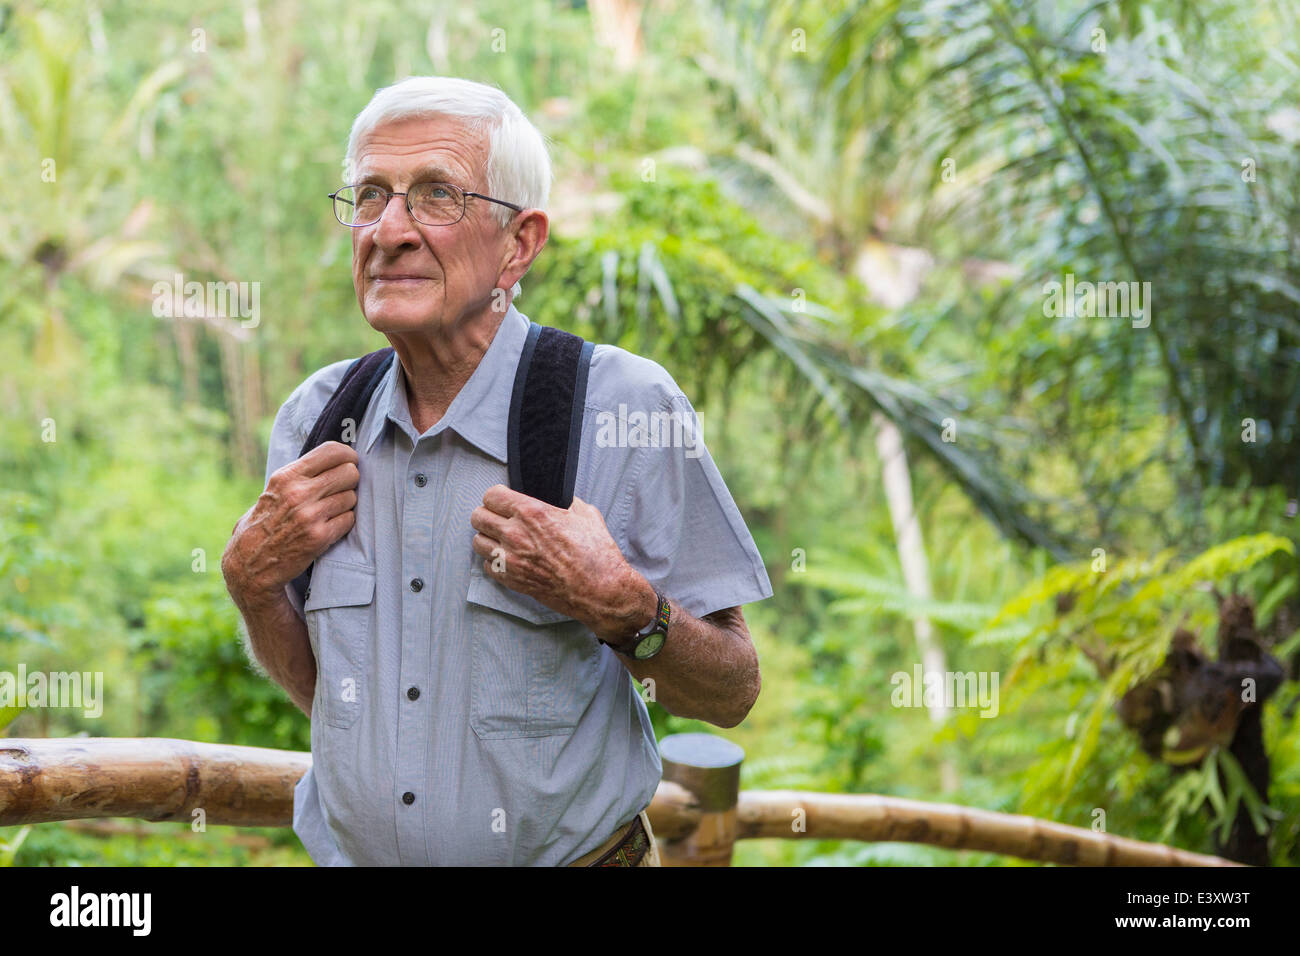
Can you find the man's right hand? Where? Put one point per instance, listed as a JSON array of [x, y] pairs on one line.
[[307, 506]]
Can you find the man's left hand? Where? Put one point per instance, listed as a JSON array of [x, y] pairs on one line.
[[564, 558]]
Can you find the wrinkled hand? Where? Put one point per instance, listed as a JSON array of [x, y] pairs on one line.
[[564, 558], [307, 506]]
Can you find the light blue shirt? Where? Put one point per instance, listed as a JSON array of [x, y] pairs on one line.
[[458, 722]]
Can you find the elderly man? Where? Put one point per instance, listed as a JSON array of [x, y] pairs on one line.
[[466, 652]]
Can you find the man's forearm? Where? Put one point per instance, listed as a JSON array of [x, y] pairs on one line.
[[278, 641], [306, 507], [708, 668]]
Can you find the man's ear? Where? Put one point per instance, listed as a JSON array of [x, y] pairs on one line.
[[529, 232]]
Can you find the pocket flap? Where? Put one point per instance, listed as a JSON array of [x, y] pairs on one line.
[[489, 593], [339, 584]]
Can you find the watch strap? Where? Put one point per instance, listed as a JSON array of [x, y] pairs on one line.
[[663, 614], [660, 621]]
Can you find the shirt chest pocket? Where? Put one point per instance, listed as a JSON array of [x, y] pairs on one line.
[[338, 610], [533, 670]]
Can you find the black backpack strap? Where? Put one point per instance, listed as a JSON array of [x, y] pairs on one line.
[[546, 411], [347, 406], [545, 429], [350, 399]]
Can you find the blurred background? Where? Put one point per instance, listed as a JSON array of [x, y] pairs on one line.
[[839, 226]]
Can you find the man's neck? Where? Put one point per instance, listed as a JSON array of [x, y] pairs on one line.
[[437, 367]]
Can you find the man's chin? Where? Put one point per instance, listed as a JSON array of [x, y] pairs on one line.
[[387, 318]]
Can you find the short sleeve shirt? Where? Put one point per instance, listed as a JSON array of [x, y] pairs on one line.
[[455, 721]]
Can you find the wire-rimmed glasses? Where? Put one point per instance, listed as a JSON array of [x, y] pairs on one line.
[[433, 204]]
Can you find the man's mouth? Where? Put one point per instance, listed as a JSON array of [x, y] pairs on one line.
[[399, 277]]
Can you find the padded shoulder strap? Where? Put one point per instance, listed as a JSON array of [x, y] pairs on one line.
[[349, 402], [340, 419], [545, 427]]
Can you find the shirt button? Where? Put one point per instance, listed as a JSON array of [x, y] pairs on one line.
[[306, 594], [413, 693], [417, 584], [421, 481], [408, 798]]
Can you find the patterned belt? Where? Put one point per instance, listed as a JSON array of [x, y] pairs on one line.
[[629, 851]]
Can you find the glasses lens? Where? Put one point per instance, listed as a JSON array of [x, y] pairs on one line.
[[436, 204], [359, 205]]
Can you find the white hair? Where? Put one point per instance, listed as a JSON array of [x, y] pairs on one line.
[[518, 163]]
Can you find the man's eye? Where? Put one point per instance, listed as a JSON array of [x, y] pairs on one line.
[[437, 192], [369, 194]]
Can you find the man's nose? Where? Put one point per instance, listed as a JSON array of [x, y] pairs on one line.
[[396, 228]]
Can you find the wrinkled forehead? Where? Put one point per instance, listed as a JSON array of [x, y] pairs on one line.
[[423, 148]]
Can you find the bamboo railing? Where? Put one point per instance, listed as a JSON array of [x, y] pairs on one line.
[[697, 813]]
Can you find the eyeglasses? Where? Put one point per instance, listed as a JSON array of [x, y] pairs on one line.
[[433, 204]]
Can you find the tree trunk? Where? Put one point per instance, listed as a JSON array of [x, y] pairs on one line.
[[617, 25], [912, 557]]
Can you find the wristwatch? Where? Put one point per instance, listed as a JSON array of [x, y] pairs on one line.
[[649, 641]]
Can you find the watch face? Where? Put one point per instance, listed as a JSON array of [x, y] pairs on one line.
[[649, 646]]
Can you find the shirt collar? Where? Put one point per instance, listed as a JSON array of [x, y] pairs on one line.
[[480, 411]]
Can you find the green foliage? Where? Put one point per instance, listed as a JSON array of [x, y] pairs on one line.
[[1120, 618], [1132, 159], [190, 657], [721, 207], [9, 848], [163, 844]]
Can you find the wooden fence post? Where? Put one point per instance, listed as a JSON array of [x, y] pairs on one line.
[[709, 767]]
